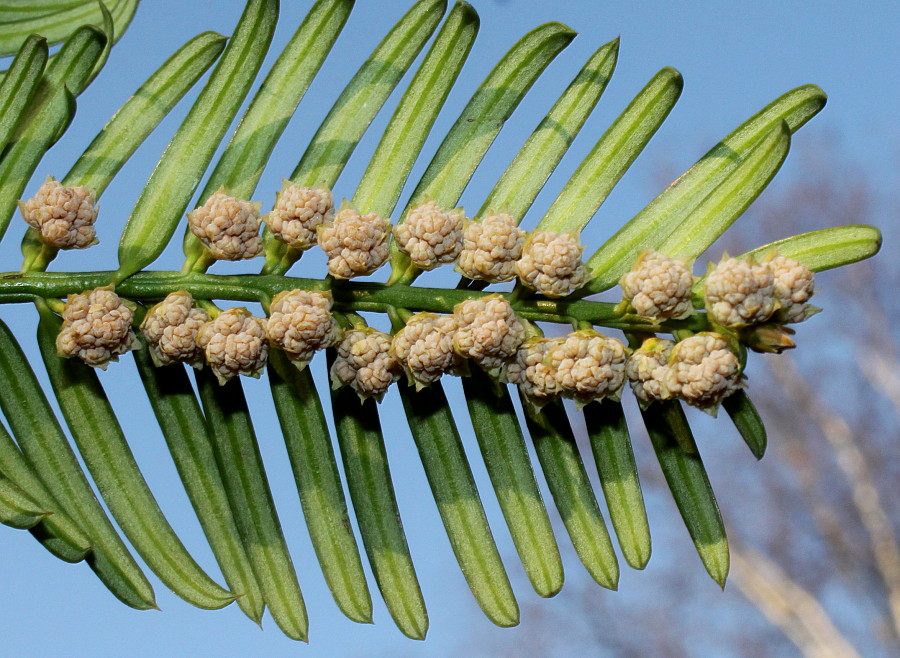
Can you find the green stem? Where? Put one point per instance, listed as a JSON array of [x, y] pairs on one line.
[[350, 296]]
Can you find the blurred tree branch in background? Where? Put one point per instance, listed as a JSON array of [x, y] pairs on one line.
[[816, 569], [787, 605]]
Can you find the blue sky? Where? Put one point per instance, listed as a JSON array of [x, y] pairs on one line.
[[735, 58]]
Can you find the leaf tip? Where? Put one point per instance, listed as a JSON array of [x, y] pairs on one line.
[[416, 631], [718, 563], [674, 76], [437, 6], [877, 239], [555, 28], [817, 92], [506, 617]]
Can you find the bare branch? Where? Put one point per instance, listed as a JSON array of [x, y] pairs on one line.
[[855, 467], [788, 606]]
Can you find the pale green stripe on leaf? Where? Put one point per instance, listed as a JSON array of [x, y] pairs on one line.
[[613, 153], [19, 10], [59, 533], [242, 470], [48, 451], [458, 502], [611, 444], [481, 120], [114, 24], [130, 126], [18, 509], [272, 107], [561, 462], [827, 248], [74, 64], [341, 130], [356, 107], [56, 26], [187, 436], [19, 86], [684, 472], [824, 249], [474, 131], [172, 184], [275, 102], [319, 485], [122, 15], [109, 459], [52, 108], [730, 198], [509, 467], [108, 27], [140, 115], [746, 419], [528, 172], [659, 218], [375, 505], [383, 181]]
